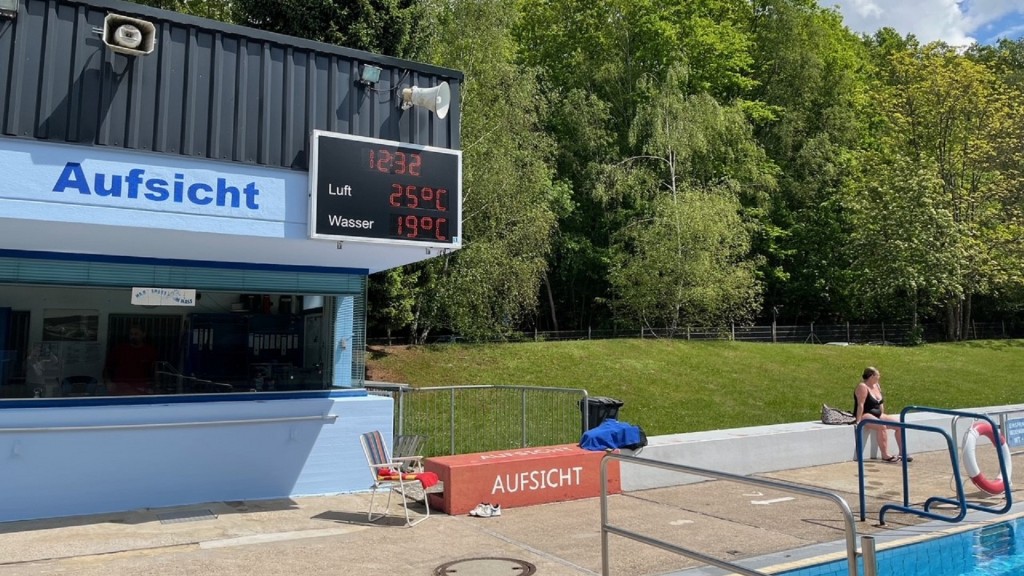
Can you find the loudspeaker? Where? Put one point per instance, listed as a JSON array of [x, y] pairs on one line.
[[129, 36], [436, 99]]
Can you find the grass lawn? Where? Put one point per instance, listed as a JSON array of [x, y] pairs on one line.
[[670, 386]]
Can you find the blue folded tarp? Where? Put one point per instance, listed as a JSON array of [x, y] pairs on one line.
[[612, 434]]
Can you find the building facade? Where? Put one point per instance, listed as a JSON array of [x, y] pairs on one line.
[[189, 211]]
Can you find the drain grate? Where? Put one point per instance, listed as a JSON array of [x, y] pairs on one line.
[[186, 516], [486, 567]]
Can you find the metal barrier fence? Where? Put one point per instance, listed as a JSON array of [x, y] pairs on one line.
[[465, 419]]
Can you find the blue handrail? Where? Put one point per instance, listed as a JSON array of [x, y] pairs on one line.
[[961, 500], [903, 426], [997, 438]]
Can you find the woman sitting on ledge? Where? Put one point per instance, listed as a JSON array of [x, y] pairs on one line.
[[869, 404]]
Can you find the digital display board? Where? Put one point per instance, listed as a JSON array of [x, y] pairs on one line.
[[375, 190]]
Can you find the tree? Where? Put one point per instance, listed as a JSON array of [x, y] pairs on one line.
[[393, 297], [951, 130], [379, 26], [812, 84], [684, 258], [598, 63], [213, 9], [510, 197]]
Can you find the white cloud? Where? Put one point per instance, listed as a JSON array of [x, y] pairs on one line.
[[957, 22]]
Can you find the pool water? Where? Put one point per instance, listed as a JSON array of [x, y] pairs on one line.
[[997, 549]]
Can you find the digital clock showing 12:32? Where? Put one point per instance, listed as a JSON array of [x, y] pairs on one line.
[[384, 191]]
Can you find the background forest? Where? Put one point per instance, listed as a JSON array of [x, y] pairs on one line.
[[699, 162]]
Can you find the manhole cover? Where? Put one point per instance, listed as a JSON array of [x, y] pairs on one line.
[[486, 567]]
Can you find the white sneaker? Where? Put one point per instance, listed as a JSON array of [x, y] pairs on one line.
[[491, 511], [483, 510]]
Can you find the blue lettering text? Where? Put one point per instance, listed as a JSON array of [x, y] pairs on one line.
[[135, 185]]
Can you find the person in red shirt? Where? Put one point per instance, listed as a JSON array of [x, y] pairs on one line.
[[130, 365]]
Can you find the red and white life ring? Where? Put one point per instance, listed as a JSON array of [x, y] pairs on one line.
[[996, 486]]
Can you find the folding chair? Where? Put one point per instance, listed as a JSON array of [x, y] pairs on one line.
[[378, 458], [409, 446]]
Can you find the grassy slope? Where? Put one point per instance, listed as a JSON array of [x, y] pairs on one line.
[[676, 386]]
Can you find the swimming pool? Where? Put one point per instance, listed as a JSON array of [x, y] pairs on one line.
[[996, 549]]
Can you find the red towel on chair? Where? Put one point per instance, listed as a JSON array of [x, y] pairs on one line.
[[427, 479]]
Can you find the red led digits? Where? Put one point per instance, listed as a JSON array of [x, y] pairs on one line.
[[410, 191], [412, 195], [416, 197], [418, 227], [396, 195], [383, 161], [400, 163]]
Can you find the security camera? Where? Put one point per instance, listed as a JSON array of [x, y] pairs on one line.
[[129, 36]]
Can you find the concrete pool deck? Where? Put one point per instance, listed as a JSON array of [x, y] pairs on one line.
[[761, 528]]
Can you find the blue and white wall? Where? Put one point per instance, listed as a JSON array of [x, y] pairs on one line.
[[61, 460]]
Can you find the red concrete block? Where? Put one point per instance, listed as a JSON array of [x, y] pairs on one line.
[[521, 477]]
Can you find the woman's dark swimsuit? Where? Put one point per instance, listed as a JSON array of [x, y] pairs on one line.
[[871, 406]]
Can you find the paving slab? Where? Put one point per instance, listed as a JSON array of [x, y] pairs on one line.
[[331, 535]]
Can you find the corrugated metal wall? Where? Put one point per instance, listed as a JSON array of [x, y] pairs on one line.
[[208, 90]]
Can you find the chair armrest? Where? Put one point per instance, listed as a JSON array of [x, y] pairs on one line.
[[409, 463]]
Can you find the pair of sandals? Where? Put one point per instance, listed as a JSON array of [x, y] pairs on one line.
[[897, 458]]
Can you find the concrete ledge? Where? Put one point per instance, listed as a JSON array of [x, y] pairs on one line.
[[760, 449]]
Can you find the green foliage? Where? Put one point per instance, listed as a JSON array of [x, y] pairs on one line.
[[686, 265], [939, 172], [381, 26], [213, 9], [510, 196], [393, 293], [683, 259]]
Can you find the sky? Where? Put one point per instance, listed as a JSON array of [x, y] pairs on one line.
[[957, 22]]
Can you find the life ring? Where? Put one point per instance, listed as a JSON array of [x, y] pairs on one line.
[[996, 486]]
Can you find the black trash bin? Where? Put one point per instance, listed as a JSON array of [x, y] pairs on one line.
[[595, 409]]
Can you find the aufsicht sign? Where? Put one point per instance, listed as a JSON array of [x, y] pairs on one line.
[[58, 182]]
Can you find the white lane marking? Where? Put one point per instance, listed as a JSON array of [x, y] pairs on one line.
[[680, 522], [773, 501], [754, 494]]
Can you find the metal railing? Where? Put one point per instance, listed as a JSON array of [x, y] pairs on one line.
[[478, 418], [997, 437], [607, 528], [960, 501], [1002, 415], [329, 418], [883, 333]]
